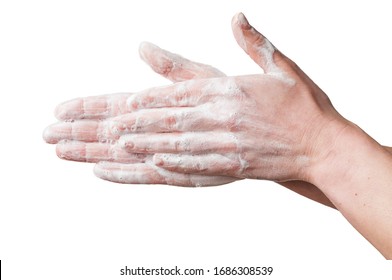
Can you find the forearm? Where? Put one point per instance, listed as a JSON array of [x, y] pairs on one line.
[[311, 191], [308, 190], [356, 176]]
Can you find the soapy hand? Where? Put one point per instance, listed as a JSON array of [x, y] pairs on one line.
[[101, 108], [278, 126], [89, 113], [264, 126], [249, 127]]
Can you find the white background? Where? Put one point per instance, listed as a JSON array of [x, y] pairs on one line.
[[58, 221]]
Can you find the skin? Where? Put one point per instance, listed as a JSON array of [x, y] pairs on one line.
[[277, 126], [83, 133], [169, 65]]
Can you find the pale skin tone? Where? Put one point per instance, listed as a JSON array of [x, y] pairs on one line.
[[209, 129]]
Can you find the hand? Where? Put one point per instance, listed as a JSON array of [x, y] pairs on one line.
[[281, 126], [264, 126], [171, 66]]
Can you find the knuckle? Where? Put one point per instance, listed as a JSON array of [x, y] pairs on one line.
[[233, 122], [177, 145], [182, 145], [170, 122], [136, 124], [132, 102], [199, 167]]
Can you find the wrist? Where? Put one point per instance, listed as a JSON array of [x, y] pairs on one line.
[[354, 172], [342, 154]]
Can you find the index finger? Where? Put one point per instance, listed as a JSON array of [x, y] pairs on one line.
[[172, 66], [183, 94], [93, 107]]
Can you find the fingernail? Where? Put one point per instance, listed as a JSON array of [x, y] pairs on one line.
[[56, 132], [100, 171], [145, 48], [47, 135], [69, 110], [241, 19], [71, 150]]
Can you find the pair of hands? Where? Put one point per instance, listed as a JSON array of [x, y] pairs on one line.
[[205, 129]]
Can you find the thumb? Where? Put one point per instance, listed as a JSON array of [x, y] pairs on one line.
[[258, 47]]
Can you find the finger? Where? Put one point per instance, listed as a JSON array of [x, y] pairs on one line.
[[173, 66], [95, 152], [188, 142], [158, 120], [183, 94], [171, 120], [206, 164], [258, 47], [81, 130], [141, 173], [93, 107]]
